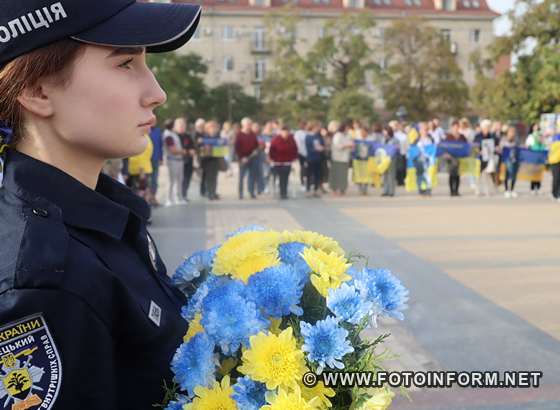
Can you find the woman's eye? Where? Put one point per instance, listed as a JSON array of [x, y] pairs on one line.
[[127, 63]]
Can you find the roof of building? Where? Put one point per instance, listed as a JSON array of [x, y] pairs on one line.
[[466, 8]]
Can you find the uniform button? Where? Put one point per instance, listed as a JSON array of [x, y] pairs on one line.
[[41, 212]]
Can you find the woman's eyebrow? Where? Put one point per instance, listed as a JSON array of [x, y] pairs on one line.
[[126, 50]]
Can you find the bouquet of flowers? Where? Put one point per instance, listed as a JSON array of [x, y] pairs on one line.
[[266, 308]]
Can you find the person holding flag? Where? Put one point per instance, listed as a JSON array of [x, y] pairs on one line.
[[554, 162]]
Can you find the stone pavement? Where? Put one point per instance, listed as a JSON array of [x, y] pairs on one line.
[[483, 273]]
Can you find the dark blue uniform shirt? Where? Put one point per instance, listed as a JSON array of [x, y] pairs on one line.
[[88, 317]]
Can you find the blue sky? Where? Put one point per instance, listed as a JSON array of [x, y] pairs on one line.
[[501, 25]]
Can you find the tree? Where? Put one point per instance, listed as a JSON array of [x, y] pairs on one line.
[[181, 76], [422, 73], [228, 102], [352, 104], [334, 69], [532, 86]]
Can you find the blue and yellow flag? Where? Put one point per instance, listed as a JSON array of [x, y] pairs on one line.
[[554, 151], [421, 159], [219, 146]]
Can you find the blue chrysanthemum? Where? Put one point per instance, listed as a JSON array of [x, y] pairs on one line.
[[229, 318], [195, 302], [325, 343], [290, 254], [276, 291], [194, 363], [177, 404], [347, 304], [248, 228], [248, 394], [384, 289], [194, 266]]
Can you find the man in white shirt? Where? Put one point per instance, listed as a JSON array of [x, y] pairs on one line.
[[299, 137]]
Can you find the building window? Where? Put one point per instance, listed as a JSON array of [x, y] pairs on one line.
[[228, 64], [322, 32], [447, 4], [445, 34], [475, 3], [260, 70], [467, 3], [258, 92], [353, 4], [416, 3], [475, 36], [325, 2], [259, 38], [259, 3], [387, 2], [228, 33]]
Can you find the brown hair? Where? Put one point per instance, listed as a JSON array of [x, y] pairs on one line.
[[54, 60]]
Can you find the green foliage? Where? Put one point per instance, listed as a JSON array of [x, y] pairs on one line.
[[317, 83], [422, 73], [228, 102], [532, 87], [352, 104], [182, 78]]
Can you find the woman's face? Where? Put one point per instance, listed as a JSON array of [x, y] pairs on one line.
[[107, 107]]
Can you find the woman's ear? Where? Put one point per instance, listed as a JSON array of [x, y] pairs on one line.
[[37, 101]]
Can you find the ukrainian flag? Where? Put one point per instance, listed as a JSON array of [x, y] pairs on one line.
[[554, 151], [413, 152]]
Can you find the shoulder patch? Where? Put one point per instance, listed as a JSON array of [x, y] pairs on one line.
[[30, 366]]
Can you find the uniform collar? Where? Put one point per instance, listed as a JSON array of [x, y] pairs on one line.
[[105, 209]]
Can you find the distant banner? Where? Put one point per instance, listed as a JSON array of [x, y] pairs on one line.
[[421, 167], [531, 164], [457, 149], [550, 122], [554, 152], [366, 149], [219, 146]]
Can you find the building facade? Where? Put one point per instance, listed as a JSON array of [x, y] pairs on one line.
[[234, 41]]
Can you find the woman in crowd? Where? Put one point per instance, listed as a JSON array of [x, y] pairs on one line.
[[486, 143], [283, 151], [315, 146], [341, 151], [452, 162], [211, 162], [189, 146], [509, 148], [390, 176], [535, 142], [360, 172], [174, 156]]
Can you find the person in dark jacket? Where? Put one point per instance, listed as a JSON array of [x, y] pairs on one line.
[[453, 162], [283, 151], [246, 148], [315, 148], [89, 319]]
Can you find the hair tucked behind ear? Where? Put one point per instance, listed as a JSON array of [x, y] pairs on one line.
[[53, 61]]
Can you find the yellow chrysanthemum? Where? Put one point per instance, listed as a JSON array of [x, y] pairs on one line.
[[194, 328], [289, 400], [246, 254], [274, 360], [314, 240], [381, 400], [329, 269], [218, 397], [320, 392]]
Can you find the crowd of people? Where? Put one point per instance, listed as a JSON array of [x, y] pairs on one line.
[[329, 156]]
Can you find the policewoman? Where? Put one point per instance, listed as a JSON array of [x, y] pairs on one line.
[[88, 317]]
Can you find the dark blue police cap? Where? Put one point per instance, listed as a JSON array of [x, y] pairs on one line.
[[26, 25]]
